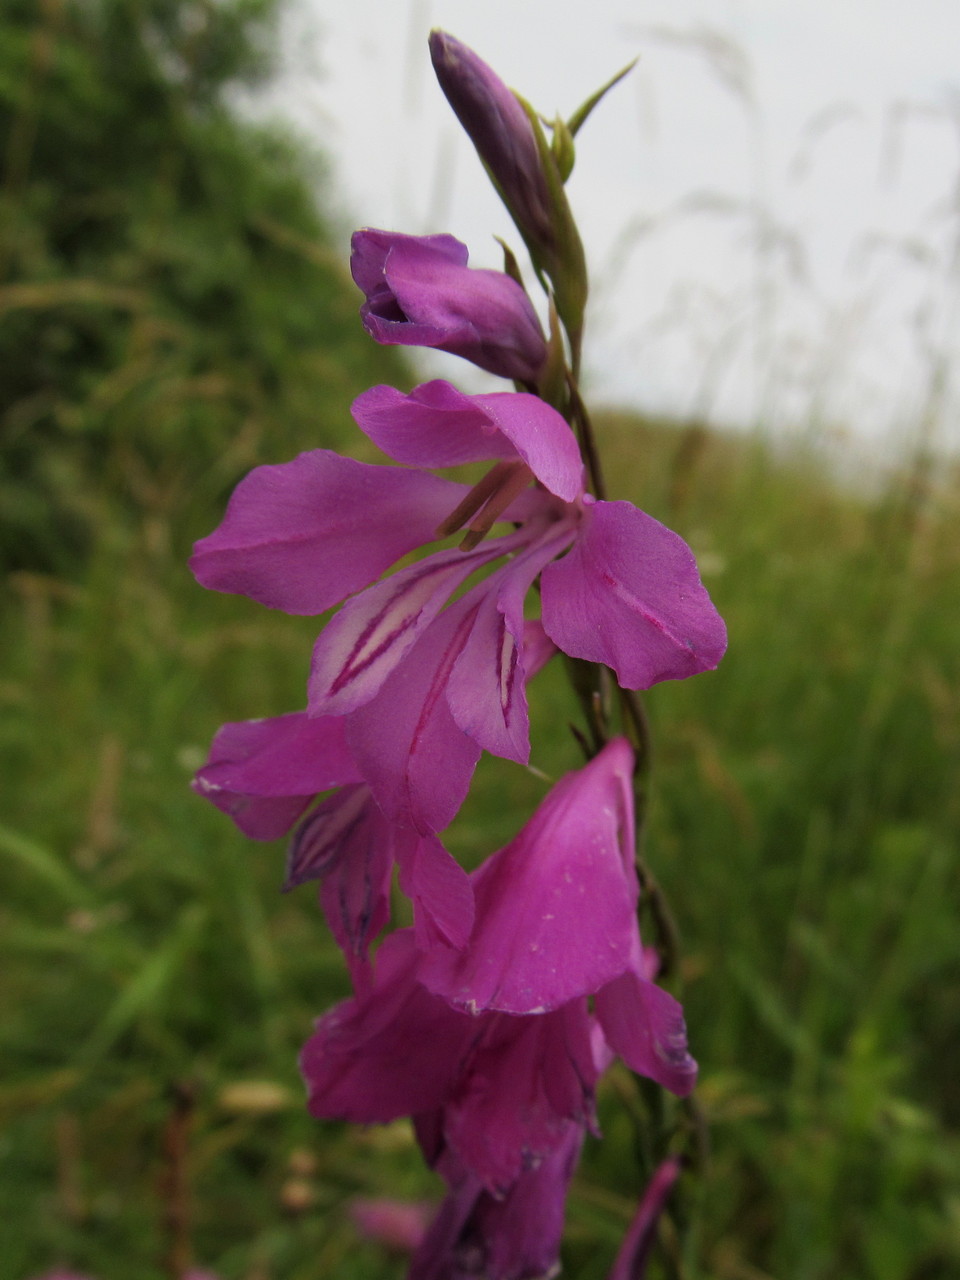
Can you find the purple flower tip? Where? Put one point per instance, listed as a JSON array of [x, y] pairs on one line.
[[499, 128]]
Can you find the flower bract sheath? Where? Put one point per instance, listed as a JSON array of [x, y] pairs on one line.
[[420, 292], [424, 679]]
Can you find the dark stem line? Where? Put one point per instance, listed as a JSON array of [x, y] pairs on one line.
[[174, 1181], [587, 439]]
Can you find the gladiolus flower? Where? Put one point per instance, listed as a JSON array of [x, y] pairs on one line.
[[420, 292], [497, 1056], [267, 773], [496, 1092], [426, 685], [556, 920], [501, 1047]]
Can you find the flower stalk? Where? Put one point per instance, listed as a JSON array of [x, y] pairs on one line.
[[490, 1020]]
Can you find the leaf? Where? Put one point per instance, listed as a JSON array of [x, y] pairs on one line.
[[146, 986], [45, 865], [583, 111]]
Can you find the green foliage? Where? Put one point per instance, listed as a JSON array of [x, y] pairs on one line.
[[169, 308]]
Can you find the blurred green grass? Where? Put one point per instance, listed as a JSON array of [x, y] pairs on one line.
[[170, 315]]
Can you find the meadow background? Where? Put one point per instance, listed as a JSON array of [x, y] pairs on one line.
[[171, 314]]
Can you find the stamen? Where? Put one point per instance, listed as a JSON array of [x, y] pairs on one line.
[[511, 487], [475, 499], [486, 500]]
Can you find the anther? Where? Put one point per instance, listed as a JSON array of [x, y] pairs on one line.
[[486, 501]]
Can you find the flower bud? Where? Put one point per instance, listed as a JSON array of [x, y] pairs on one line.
[[420, 292], [528, 176], [501, 131]]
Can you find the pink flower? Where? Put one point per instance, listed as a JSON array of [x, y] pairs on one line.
[[424, 684], [492, 1046], [556, 920], [267, 773], [498, 1093], [421, 292]]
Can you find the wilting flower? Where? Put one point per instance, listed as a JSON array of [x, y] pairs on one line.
[[267, 773], [420, 292], [303, 535]]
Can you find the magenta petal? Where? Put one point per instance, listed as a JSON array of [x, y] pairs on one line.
[[372, 633], [370, 248], [396, 1051], [303, 535], [486, 689], [264, 773], [346, 841], [528, 1079], [420, 292], [541, 437], [487, 686], [556, 907], [439, 888], [538, 648], [438, 426], [416, 759], [628, 595], [350, 846], [644, 1025], [434, 426]]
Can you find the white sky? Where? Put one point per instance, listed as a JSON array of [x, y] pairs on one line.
[[770, 202]]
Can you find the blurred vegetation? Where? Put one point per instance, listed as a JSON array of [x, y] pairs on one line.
[[169, 308], [169, 316]]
